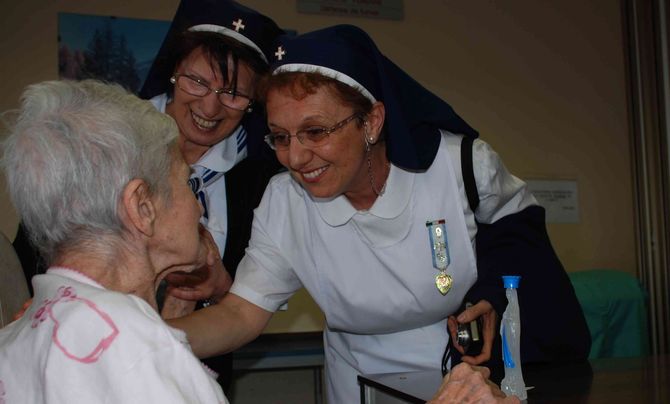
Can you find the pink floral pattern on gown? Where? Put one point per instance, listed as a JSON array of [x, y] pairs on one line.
[[100, 328]]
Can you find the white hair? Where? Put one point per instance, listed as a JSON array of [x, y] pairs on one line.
[[73, 148]]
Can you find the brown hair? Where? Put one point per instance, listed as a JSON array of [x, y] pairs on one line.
[[301, 84]]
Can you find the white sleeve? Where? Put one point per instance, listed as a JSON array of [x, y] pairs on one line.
[[264, 276], [500, 192]]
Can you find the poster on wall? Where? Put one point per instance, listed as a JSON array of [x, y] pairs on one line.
[[113, 49]]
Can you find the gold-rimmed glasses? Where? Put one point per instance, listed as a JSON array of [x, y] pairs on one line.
[[312, 136]]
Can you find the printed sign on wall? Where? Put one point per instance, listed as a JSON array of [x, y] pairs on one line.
[[558, 197], [384, 9]]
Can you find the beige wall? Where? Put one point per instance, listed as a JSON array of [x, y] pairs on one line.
[[542, 80]]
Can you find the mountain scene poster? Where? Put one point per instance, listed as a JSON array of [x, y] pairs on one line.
[[112, 49]]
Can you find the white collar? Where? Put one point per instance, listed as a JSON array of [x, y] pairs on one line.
[[224, 155], [74, 275], [399, 185]]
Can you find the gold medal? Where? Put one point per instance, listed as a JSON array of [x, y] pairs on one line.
[[439, 246], [443, 282]]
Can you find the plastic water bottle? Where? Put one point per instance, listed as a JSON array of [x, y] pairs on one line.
[[510, 331]]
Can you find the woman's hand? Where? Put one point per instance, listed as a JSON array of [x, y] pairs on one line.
[[470, 384], [23, 309], [489, 317], [209, 281]]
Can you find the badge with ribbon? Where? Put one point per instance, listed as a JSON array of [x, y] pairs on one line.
[[439, 246]]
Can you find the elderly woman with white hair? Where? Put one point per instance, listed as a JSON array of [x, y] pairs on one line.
[[97, 179]]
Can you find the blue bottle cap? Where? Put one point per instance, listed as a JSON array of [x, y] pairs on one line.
[[511, 281]]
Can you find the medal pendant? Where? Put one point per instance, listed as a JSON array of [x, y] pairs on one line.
[[443, 282], [439, 245]]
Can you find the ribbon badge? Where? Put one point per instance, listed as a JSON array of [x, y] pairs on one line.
[[439, 246]]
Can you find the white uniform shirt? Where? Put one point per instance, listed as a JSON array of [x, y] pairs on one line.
[[221, 158], [371, 272], [81, 343]]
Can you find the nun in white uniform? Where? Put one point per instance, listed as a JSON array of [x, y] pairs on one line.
[[370, 217]]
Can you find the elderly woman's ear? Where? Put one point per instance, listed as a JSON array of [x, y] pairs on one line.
[[138, 210], [374, 122]]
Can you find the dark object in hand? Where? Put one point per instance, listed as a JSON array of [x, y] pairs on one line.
[[470, 336]]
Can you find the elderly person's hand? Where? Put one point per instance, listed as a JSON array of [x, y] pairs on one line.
[[489, 317], [470, 384], [209, 281]]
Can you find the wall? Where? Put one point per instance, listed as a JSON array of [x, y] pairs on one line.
[[543, 81]]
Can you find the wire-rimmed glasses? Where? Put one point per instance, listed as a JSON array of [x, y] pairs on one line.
[[197, 87], [313, 136]]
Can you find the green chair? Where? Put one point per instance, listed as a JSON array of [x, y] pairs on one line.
[[615, 307]]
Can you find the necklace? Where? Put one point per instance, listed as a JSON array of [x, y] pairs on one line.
[[371, 177]]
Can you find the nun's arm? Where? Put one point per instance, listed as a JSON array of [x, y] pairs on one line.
[[223, 327]]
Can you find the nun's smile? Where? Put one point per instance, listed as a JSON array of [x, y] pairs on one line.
[[205, 121], [338, 165]]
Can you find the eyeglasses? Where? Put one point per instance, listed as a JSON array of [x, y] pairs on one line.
[[313, 136], [228, 97]]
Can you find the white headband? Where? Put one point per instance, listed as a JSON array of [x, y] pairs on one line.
[[229, 33], [328, 72]]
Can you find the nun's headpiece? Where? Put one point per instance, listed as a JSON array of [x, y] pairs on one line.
[[224, 17], [414, 115]]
